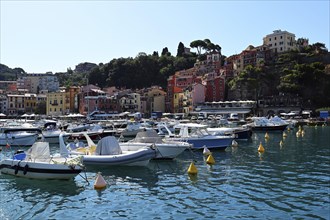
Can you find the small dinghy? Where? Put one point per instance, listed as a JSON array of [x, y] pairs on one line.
[[37, 163], [109, 152]]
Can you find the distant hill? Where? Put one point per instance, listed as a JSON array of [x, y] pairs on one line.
[[8, 74]]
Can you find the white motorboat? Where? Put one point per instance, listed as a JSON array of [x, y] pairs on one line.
[[166, 149], [198, 136], [52, 136], [131, 130], [240, 133], [51, 132], [37, 163], [108, 152], [18, 136]]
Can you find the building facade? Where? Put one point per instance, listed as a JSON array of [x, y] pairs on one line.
[[56, 103], [280, 41]]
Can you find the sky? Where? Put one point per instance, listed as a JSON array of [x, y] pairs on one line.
[[42, 36]]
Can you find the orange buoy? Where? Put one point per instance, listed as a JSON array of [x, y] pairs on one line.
[[192, 170], [210, 160], [261, 148], [99, 182]]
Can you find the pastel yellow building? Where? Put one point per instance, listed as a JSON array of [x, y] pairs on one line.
[[57, 103], [30, 103]]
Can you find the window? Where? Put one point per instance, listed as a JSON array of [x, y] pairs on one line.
[[275, 38]]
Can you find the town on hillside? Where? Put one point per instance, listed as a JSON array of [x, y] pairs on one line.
[[199, 90]]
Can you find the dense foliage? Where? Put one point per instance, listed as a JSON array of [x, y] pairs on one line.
[[304, 73], [8, 74], [142, 71]]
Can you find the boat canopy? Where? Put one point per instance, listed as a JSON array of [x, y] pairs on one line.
[[149, 136], [39, 151], [108, 146]]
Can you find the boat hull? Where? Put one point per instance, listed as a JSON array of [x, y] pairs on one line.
[[54, 139], [242, 134], [269, 128], [38, 170], [163, 150], [127, 158], [18, 139], [210, 143]]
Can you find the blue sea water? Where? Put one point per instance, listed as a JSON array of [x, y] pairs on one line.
[[291, 181]]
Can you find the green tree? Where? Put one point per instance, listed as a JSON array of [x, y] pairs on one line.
[[165, 51], [180, 50], [199, 45]]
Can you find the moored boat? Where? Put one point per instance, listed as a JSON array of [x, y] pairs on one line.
[[37, 163], [264, 124], [18, 136], [240, 133], [108, 152], [199, 137], [165, 149]]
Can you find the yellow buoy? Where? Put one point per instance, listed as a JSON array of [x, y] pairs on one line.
[[206, 151], [266, 136], [99, 182], [261, 148], [284, 134], [281, 143], [298, 134], [192, 170], [210, 160], [234, 143], [289, 129]]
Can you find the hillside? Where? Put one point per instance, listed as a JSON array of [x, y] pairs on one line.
[[8, 74]]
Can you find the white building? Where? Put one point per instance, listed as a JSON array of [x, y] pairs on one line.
[[280, 41]]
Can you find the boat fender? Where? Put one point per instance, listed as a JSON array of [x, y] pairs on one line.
[[16, 169], [26, 167]]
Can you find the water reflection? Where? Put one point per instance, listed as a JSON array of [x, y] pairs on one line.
[[123, 175], [19, 185]]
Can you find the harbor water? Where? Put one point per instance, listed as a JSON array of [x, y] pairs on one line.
[[287, 181]]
